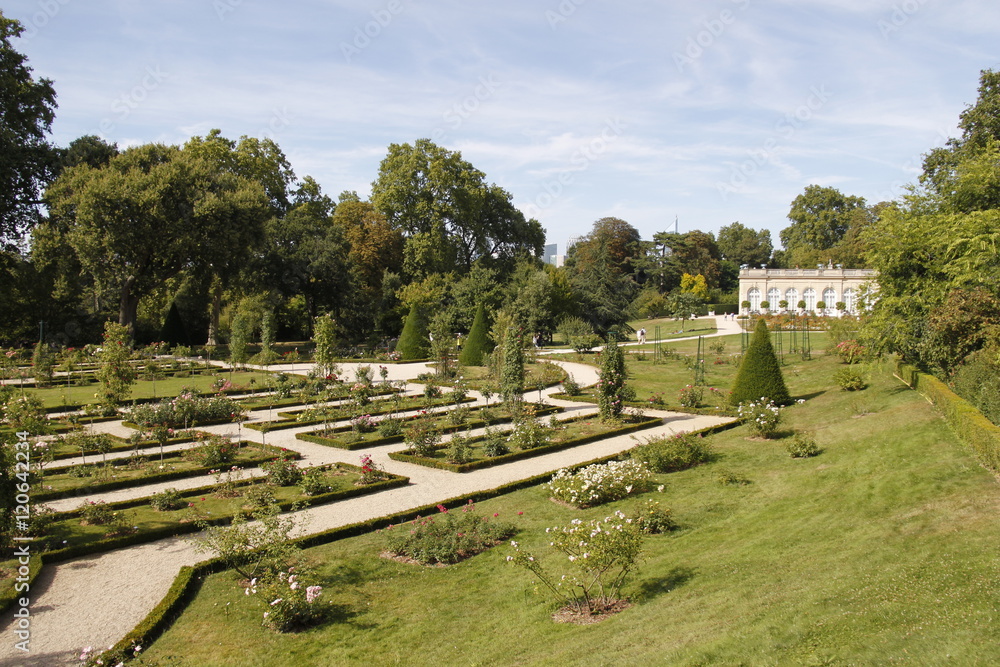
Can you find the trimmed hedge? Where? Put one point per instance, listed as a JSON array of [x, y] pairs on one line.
[[523, 453], [969, 424]]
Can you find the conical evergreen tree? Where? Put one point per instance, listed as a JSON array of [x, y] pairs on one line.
[[759, 375], [174, 331], [478, 344], [413, 342]]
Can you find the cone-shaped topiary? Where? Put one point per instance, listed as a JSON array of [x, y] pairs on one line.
[[759, 375], [413, 342], [174, 331], [478, 344]]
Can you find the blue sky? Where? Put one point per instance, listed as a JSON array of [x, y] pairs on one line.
[[710, 112]]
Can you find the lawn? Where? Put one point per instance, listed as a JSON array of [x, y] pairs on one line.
[[881, 550], [168, 387]]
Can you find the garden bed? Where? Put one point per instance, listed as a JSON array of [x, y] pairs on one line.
[[344, 437], [200, 506], [61, 483], [374, 409], [578, 431]]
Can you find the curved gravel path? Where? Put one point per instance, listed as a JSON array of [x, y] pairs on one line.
[[96, 600]]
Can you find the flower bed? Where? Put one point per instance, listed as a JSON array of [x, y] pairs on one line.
[[62, 450], [188, 409], [67, 538], [587, 396], [295, 419], [578, 431], [344, 437], [62, 483]]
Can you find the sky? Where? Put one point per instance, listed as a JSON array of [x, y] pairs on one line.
[[697, 114]]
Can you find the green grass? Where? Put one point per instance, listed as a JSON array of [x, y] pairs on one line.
[[167, 388], [881, 550]]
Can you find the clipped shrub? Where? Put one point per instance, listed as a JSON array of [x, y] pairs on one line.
[[390, 427], [413, 341], [802, 446], [759, 375], [477, 344], [850, 379], [673, 453], [459, 450]]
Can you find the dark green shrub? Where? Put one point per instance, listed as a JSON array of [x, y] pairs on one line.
[[672, 453], [282, 472], [759, 375], [478, 343], [414, 342]]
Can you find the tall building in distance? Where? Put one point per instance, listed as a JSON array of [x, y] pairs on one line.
[[551, 255]]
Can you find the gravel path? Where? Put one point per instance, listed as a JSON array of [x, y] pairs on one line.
[[95, 600]]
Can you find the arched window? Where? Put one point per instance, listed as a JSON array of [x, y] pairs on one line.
[[792, 297], [830, 297], [774, 296], [753, 296], [850, 300], [809, 296]]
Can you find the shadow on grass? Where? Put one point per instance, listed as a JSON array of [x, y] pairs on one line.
[[806, 397], [675, 578]]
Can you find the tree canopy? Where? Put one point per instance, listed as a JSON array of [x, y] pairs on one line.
[[27, 160], [448, 213]]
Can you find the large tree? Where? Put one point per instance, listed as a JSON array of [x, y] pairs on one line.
[[149, 213], [821, 217], [448, 213], [742, 245], [258, 161], [943, 236], [27, 109]]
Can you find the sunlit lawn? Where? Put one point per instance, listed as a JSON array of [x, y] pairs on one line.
[[167, 387], [881, 550]]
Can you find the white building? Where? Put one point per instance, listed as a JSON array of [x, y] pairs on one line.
[[823, 284]]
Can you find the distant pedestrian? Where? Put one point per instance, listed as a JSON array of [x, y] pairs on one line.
[[641, 336]]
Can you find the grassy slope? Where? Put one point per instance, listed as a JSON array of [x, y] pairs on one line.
[[881, 550]]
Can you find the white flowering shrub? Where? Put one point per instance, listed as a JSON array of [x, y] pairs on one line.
[[594, 559], [599, 483], [761, 417]]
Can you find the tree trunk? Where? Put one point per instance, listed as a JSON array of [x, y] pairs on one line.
[[127, 307], [216, 314]]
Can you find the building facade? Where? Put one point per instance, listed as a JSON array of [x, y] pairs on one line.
[[828, 285]]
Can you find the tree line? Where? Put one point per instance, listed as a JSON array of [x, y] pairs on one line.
[[175, 241]]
